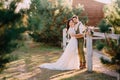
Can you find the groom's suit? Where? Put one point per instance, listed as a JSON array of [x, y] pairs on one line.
[[79, 30]]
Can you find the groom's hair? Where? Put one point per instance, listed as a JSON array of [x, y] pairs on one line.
[[75, 17]]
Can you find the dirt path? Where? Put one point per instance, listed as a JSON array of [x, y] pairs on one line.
[[26, 67]]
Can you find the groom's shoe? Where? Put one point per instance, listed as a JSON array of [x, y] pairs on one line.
[[81, 65], [84, 65]]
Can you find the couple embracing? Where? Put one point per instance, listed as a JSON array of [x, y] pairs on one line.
[[73, 56]]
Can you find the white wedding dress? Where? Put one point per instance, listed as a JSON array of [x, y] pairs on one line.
[[69, 59]]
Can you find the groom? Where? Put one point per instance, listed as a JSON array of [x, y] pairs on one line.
[[79, 28]]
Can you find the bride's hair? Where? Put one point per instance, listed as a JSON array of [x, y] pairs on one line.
[[68, 26]]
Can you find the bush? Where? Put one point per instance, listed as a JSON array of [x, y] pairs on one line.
[[100, 45], [105, 61], [11, 27], [112, 15], [104, 26]]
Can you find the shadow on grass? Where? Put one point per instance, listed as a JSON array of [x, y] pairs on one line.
[[70, 75], [29, 60], [90, 76], [26, 68]]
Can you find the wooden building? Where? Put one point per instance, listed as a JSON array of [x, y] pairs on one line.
[[93, 9]]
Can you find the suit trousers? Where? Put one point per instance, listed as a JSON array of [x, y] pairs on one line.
[[80, 50]]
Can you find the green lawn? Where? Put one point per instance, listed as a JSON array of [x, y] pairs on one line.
[[90, 76], [31, 55]]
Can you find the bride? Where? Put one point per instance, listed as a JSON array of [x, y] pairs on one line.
[[69, 59]]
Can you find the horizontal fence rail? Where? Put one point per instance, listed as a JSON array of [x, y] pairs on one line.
[[89, 41]]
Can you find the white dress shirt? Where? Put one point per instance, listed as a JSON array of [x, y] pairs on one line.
[[81, 27]]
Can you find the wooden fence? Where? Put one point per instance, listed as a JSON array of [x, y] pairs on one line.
[[89, 43]]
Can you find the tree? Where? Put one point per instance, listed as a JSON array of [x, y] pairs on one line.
[[104, 28], [112, 15], [11, 26], [48, 18]]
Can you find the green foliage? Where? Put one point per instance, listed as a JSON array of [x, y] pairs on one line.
[[112, 14], [8, 16], [7, 40], [112, 17], [104, 26], [12, 57], [35, 36], [11, 28], [47, 19], [5, 59], [114, 51], [105, 61], [100, 45]]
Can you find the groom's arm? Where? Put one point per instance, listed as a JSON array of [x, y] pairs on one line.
[[78, 35]]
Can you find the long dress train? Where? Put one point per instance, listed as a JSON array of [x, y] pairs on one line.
[[69, 59]]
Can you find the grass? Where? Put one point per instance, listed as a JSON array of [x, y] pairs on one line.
[[90, 76], [31, 55]]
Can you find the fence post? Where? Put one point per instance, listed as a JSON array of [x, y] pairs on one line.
[[89, 53], [64, 38]]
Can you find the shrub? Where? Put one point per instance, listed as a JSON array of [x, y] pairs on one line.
[[100, 45], [112, 15], [105, 61], [11, 27]]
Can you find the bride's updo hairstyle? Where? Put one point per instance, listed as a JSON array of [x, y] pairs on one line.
[[68, 26]]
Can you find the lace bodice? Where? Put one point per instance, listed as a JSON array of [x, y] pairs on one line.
[[71, 31]]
